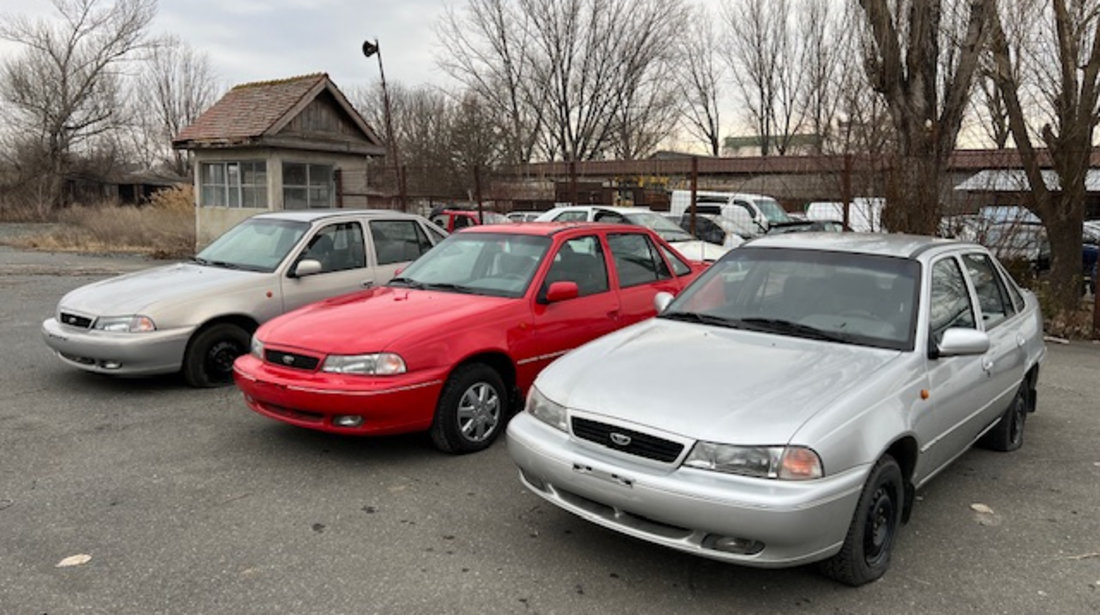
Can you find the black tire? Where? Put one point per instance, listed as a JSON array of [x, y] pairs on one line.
[[471, 411], [208, 361], [865, 555], [1008, 433]]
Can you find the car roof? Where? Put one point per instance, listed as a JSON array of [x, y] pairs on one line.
[[550, 228], [617, 208], [312, 215], [887, 244]]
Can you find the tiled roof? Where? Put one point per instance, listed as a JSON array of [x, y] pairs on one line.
[[249, 110]]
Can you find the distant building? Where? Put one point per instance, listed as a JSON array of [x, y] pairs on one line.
[[293, 143]]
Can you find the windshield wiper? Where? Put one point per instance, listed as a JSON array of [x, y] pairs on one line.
[[405, 282], [458, 288], [705, 319], [222, 264], [778, 325]]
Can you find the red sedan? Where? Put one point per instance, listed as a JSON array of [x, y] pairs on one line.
[[453, 342]]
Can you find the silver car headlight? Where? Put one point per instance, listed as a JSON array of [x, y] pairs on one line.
[[551, 413], [256, 348], [377, 364], [125, 324], [782, 462]]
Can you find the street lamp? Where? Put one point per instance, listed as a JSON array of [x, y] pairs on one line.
[[370, 49]]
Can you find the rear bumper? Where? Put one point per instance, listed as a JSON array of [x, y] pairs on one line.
[[388, 405], [122, 354]]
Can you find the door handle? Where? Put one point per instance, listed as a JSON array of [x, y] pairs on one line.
[[367, 283]]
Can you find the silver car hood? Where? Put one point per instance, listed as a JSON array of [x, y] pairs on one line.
[[133, 293], [699, 250], [709, 383]]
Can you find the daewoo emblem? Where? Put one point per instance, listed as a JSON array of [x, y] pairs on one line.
[[288, 360], [619, 439]]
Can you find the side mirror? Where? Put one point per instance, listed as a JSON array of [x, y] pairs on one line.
[[562, 291], [958, 341], [661, 301], [307, 266]]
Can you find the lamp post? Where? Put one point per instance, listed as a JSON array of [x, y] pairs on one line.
[[371, 49]]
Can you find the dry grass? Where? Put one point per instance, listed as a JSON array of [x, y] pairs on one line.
[[162, 228]]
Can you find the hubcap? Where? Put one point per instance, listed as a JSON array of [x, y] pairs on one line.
[[878, 532], [479, 412]]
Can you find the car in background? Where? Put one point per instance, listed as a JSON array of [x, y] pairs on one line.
[[1090, 251], [693, 249], [807, 226], [864, 213], [452, 220], [819, 382], [522, 216], [196, 317], [451, 343], [712, 228], [752, 214]]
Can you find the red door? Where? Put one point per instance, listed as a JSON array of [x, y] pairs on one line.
[[641, 273]]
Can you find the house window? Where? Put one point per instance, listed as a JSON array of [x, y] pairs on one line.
[[234, 184], [307, 186]]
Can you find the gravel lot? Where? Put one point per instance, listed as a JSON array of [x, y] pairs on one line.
[[186, 502]]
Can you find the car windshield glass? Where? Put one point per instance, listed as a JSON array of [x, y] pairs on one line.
[[833, 296], [492, 217], [772, 211], [257, 244], [664, 227], [499, 264]]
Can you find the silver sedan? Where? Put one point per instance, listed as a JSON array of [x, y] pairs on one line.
[[197, 317], [786, 406]]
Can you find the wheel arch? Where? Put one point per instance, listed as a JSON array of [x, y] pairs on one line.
[[499, 361], [243, 321], [905, 450]]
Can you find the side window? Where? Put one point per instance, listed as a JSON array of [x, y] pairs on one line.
[[611, 217], [678, 266], [636, 259], [571, 216], [580, 260], [993, 298], [338, 247], [435, 235], [398, 241], [949, 304], [462, 222]]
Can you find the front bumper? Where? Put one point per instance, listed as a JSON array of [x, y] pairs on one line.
[[312, 399], [122, 354], [684, 508]]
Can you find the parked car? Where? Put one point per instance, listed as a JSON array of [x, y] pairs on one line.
[[196, 317], [449, 344], [522, 216], [864, 213], [454, 219], [752, 214], [816, 383], [711, 228], [807, 226], [693, 249]]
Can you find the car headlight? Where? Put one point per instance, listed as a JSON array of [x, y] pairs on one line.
[[783, 462], [256, 348], [377, 364], [125, 324], [551, 413]]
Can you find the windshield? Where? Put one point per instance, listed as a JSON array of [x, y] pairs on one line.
[[664, 227], [850, 298], [492, 217], [498, 264], [772, 211], [257, 244]]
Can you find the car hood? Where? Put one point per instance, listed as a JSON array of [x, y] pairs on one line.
[[134, 293], [710, 383], [699, 250], [373, 320]]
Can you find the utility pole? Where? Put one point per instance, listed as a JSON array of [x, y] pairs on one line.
[[370, 49]]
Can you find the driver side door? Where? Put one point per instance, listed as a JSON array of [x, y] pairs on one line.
[[341, 250]]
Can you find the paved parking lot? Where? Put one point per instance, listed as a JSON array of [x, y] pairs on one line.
[[189, 503]]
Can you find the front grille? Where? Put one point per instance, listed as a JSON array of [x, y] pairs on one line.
[[289, 359], [75, 320], [640, 444]]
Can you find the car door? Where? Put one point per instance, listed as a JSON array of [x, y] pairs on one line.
[[394, 244], [1006, 359], [944, 425], [341, 250], [558, 327], [641, 273]]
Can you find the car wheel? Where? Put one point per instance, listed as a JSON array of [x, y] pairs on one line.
[[471, 410], [865, 555], [208, 361], [1008, 433]]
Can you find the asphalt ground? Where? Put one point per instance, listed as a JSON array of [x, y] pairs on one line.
[[187, 502]]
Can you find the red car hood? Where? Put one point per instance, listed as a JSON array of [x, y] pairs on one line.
[[373, 320]]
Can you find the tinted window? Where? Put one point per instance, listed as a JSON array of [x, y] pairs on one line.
[[398, 241], [580, 260], [949, 304], [636, 259], [993, 298], [338, 247]]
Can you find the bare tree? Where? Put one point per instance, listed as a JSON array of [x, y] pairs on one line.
[[925, 84], [699, 79], [64, 86], [1071, 89], [826, 45], [1019, 18]]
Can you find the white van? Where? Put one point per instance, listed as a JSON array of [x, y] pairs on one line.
[[864, 213], [751, 214]]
